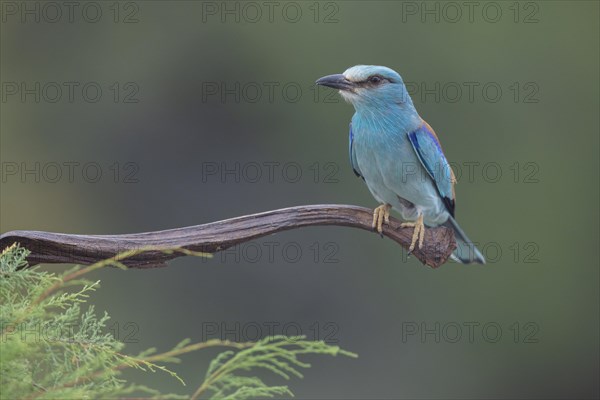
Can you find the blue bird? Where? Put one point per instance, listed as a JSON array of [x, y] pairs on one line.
[[399, 156]]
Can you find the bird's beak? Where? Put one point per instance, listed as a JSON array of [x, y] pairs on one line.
[[337, 81]]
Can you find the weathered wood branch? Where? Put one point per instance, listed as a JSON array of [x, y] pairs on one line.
[[48, 247]]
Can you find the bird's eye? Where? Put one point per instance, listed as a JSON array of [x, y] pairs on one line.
[[375, 79]]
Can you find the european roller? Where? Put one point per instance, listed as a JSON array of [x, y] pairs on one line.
[[399, 156]]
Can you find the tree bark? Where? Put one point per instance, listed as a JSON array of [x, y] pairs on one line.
[[48, 247]]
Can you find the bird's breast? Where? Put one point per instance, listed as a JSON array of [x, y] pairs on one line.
[[392, 171]]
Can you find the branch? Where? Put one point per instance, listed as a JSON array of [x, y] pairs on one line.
[[48, 247]]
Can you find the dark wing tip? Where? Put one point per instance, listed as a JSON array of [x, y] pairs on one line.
[[450, 204]]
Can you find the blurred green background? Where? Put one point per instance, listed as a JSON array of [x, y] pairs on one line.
[[179, 98]]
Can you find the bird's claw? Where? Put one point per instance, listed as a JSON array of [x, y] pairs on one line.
[[418, 233], [380, 215]]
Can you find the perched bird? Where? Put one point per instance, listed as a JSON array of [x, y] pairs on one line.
[[399, 156]]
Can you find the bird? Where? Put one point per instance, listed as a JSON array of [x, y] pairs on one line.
[[399, 156]]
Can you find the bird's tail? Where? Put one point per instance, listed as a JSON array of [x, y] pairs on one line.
[[466, 252]]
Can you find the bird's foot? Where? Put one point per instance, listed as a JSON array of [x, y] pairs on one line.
[[380, 215], [418, 232]]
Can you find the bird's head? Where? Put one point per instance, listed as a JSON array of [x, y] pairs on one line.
[[368, 86]]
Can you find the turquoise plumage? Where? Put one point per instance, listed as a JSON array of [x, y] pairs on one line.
[[429, 151], [399, 156]]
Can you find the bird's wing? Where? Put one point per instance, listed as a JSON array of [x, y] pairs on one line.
[[428, 149], [352, 155]]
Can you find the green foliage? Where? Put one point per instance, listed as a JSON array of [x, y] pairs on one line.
[[52, 347], [278, 354]]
